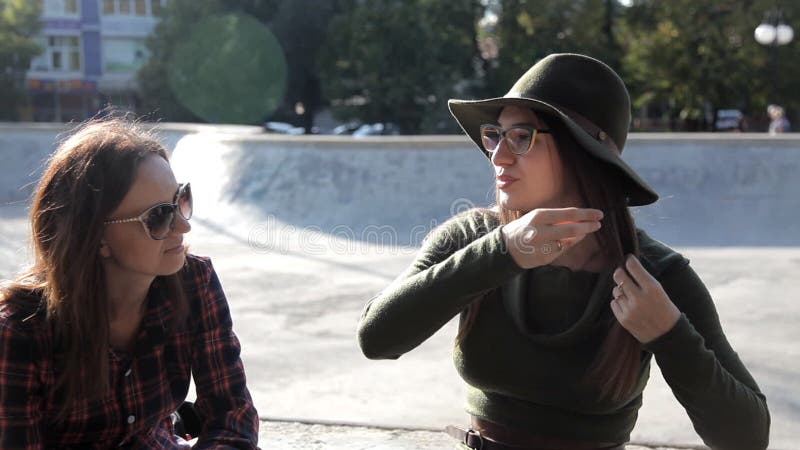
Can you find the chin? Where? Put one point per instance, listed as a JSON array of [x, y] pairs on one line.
[[172, 263], [514, 203]]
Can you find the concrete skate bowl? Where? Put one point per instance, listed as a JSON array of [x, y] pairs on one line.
[[384, 191], [25, 148], [716, 190], [24, 151]]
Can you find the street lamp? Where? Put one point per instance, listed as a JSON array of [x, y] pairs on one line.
[[773, 32]]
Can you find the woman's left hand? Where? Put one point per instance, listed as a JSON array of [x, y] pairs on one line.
[[640, 303]]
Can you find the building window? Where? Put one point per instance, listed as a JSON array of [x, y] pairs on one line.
[[61, 54], [141, 8], [50, 8], [123, 55]]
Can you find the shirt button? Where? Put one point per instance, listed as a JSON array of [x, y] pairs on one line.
[[121, 443], [128, 372], [131, 419]]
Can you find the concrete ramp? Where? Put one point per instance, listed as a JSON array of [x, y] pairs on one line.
[[716, 189], [719, 189], [382, 192]]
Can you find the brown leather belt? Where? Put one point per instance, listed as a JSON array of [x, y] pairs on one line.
[[485, 435]]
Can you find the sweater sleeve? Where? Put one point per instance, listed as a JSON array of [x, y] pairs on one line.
[[460, 260], [724, 403]]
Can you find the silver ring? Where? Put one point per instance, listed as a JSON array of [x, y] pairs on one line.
[[548, 248]]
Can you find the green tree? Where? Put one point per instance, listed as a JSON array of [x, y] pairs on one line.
[[529, 30], [697, 56], [299, 26], [176, 22], [19, 23], [398, 61]]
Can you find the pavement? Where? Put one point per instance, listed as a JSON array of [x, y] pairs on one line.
[[302, 231], [286, 435]]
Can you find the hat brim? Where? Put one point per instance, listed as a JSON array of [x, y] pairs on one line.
[[471, 114]]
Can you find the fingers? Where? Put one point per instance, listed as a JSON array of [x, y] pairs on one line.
[[549, 243], [645, 310], [569, 242], [550, 216], [620, 303], [549, 232], [625, 284], [564, 223], [618, 309], [616, 292], [638, 272], [562, 232], [569, 230]]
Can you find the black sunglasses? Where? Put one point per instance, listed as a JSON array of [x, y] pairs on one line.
[[520, 138], [158, 220]]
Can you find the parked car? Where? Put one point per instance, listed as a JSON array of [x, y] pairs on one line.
[[283, 128], [729, 120], [377, 129], [347, 128]]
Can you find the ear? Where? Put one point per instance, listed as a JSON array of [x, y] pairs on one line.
[[105, 251]]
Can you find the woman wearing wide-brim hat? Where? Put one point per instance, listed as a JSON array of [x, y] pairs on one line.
[[563, 302]]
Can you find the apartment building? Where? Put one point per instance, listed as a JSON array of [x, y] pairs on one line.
[[92, 50]]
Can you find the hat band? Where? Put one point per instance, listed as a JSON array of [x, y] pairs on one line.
[[589, 127]]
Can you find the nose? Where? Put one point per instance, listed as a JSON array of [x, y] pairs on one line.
[[503, 155], [181, 225]]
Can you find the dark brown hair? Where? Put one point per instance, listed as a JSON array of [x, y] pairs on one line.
[[85, 179], [616, 367]]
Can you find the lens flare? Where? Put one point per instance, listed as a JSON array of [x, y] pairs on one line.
[[230, 69]]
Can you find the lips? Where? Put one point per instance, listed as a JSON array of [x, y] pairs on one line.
[[504, 181]]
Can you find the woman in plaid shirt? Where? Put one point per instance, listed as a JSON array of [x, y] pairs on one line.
[[99, 337]]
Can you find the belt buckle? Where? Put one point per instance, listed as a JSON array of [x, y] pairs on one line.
[[471, 432]]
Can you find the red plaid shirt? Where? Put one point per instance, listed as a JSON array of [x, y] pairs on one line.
[[148, 385]]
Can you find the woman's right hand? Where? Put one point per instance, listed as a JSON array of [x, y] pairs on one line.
[[540, 236]]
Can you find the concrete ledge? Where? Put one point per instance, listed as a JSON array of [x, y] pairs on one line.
[[280, 434], [257, 132]]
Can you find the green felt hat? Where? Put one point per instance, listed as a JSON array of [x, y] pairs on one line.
[[583, 93]]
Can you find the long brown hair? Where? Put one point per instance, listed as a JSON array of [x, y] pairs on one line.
[[615, 369], [85, 179]]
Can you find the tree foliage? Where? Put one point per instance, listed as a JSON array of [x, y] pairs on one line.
[[398, 61], [299, 26], [697, 56], [529, 30], [177, 22], [19, 23]]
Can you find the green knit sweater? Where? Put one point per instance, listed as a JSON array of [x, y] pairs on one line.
[[537, 331]]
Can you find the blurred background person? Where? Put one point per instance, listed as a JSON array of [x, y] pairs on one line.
[[778, 121]]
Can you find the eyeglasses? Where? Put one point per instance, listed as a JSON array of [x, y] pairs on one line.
[[520, 138], [158, 220]]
